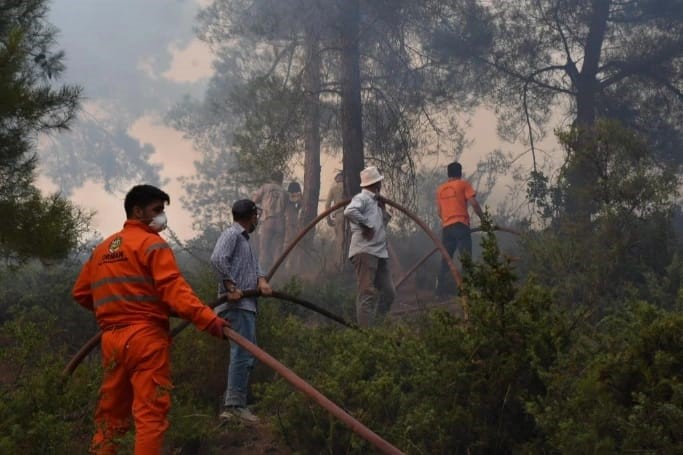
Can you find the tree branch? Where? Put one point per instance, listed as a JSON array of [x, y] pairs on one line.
[[278, 57], [528, 124], [644, 65], [570, 66], [530, 77], [666, 84]]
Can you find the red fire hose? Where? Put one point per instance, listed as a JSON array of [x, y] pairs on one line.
[[291, 377], [408, 213], [424, 258]]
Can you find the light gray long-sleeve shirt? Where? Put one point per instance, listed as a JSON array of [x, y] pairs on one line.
[[234, 260], [363, 210]]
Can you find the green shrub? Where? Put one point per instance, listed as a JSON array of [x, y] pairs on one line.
[[620, 389], [38, 414], [438, 386]]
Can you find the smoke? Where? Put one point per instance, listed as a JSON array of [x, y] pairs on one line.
[[125, 56]]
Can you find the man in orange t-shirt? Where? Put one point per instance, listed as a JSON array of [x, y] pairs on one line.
[[452, 198]]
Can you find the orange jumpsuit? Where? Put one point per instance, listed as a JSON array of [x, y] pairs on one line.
[[132, 283]]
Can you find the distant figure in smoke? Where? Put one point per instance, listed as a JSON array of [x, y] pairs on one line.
[[452, 198], [336, 218], [368, 250], [272, 198], [293, 210]]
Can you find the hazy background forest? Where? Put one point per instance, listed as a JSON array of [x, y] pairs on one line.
[[567, 115]]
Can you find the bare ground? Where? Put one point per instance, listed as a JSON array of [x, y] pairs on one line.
[[237, 438]]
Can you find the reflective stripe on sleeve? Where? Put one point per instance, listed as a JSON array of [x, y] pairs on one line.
[[157, 246]]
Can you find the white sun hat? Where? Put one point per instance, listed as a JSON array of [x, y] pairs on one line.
[[370, 175]]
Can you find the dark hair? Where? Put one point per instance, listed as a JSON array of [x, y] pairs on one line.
[[243, 209], [294, 187], [143, 195], [277, 176], [455, 169]]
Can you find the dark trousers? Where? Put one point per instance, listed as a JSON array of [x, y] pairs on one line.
[[376, 289], [454, 236]]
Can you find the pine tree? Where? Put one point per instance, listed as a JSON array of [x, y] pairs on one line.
[[31, 104]]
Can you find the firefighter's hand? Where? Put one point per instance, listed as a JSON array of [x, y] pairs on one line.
[[368, 232], [330, 221], [235, 295], [215, 328], [264, 288]]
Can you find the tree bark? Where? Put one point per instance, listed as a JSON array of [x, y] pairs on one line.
[[351, 115], [588, 83], [311, 192], [579, 168]]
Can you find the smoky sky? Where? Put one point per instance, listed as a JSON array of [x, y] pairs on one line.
[[117, 50]]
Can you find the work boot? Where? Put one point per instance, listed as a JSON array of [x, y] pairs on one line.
[[241, 412]]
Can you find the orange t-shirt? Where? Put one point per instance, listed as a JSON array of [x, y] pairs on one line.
[[451, 199]]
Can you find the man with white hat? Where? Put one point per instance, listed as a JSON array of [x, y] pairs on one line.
[[368, 249]]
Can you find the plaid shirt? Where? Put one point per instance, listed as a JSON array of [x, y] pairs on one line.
[[234, 260]]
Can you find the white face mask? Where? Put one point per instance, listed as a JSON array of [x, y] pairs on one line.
[[159, 222]]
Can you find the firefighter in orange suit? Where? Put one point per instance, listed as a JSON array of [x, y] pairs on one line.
[[133, 284]]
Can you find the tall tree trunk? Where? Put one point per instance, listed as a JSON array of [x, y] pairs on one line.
[[312, 128], [351, 115], [580, 172], [588, 83]]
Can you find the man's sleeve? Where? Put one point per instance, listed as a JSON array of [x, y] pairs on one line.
[[221, 258], [469, 191], [258, 195], [284, 198], [330, 198], [81, 291], [438, 202], [354, 212], [173, 288]]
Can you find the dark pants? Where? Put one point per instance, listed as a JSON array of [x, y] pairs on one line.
[[454, 236], [375, 289]]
